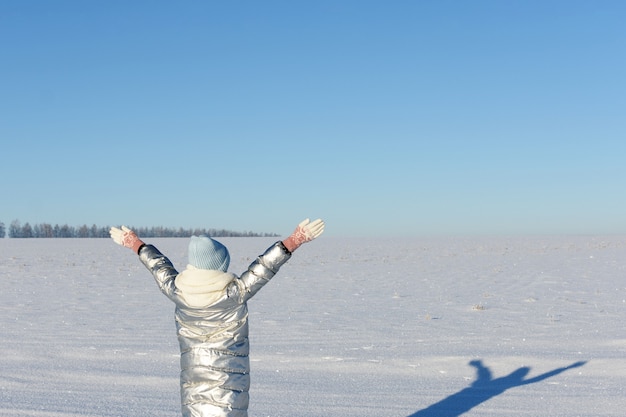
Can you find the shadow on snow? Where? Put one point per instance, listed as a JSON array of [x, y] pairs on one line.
[[483, 389]]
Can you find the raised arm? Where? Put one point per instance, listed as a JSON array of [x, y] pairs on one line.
[[267, 265], [158, 264]]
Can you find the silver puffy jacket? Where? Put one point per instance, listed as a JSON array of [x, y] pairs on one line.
[[215, 368]]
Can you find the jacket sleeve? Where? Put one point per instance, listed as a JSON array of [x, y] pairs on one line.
[[262, 270], [161, 268]]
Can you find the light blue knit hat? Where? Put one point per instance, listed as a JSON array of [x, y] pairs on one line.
[[206, 253]]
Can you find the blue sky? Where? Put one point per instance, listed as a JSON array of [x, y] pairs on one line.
[[398, 118]]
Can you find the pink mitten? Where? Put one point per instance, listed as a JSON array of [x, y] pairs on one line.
[[305, 232], [126, 237]]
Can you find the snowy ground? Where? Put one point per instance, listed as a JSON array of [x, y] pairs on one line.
[[422, 327]]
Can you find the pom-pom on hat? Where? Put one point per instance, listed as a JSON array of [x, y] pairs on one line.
[[206, 253]]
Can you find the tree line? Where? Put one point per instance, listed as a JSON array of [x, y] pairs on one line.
[[45, 230]]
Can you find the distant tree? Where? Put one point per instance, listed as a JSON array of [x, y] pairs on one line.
[[66, 231], [104, 232], [93, 231], [46, 230], [83, 231], [27, 230], [15, 229]]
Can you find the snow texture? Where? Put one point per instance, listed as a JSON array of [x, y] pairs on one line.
[[422, 327]]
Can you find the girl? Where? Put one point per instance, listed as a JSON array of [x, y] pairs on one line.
[[212, 315]]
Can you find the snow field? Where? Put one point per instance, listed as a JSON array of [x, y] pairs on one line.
[[421, 327]]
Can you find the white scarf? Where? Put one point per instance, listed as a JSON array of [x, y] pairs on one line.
[[202, 287]]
